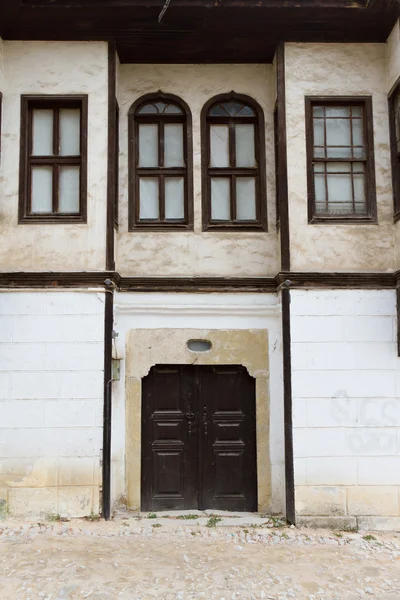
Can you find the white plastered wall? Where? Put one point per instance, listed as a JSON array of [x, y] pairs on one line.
[[194, 252], [51, 401], [206, 312], [346, 407], [337, 70], [53, 68]]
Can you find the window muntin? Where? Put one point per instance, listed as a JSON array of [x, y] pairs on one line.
[[394, 114], [160, 163], [233, 164], [53, 158], [340, 159]]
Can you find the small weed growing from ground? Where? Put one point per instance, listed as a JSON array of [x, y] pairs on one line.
[[212, 521], [338, 534], [152, 516], [187, 517], [245, 531], [285, 535], [369, 538], [94, 517], [56, 518], [156, 525]]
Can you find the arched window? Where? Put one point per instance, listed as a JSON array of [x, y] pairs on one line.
[[233, 164], [160, 163]]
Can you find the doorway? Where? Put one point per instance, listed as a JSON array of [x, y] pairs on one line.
[[198, 438]]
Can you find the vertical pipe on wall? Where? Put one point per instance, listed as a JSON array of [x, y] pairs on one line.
[[283, 202], [110, 266], [111, 156], [107, 413], [287, 402]]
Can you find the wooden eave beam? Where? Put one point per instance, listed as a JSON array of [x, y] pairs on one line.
[[282, 4]]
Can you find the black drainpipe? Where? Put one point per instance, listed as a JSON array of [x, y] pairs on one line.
[[108, 331]]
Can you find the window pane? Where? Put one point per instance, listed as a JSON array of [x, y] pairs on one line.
[[338, 111], [173, 145], [339, 167], [42, 189], [69, 190], [42, 133], [245, 199], [358, 137], [174, 204], [339, 152], [70, 124], [220, 199], [219, 146], [320, 190], [359, 190], [148, 145], [339, 188], [318, 111], [245, 151], [337, 132], [172, 109], [319, 138], [148, 192]]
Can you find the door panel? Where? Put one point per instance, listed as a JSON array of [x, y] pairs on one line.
[[199, 439], [229, 476]]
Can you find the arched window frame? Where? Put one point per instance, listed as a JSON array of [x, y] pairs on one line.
[[260, 223], [134, 119]]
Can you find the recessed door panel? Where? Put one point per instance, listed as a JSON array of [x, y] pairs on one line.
[[199, 439]]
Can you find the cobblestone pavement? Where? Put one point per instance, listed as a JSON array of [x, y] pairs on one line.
[[140, 559]]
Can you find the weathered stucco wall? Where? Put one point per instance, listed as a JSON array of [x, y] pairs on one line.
[[51, 402], [393, 75], [393, 56], [196, 253], [148, 317], [53, 68], [338, 70], [346, 407]]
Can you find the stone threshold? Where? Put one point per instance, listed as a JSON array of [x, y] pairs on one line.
[[207, 518]]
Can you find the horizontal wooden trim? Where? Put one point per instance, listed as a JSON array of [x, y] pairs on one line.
[[113, 280], [197, 284], [201, 3], [55, 280], [338, 280]]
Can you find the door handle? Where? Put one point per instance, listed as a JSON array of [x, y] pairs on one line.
[[205, 423], [190, 416]]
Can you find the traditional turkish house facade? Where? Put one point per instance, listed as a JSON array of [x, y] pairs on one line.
[[199, 256]]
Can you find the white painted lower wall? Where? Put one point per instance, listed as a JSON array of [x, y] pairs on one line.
[[51, 401], [200, 311], [346, 406]]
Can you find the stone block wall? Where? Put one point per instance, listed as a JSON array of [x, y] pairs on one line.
[[51, 402], [346, 407]]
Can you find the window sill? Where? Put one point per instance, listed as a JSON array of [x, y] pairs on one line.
[[235, 227], [366, 220], [53, 219], [160, 227]]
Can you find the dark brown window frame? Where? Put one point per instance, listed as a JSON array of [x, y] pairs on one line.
[[259, 172], [116, 167], [28, 104], [276, 157], [134, 224], [395, 155], [366, 103]]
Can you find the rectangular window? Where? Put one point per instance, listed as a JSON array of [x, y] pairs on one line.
[[53, 159], [394, 117], [340, 160]]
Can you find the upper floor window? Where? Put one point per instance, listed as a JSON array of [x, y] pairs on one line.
[[160, 162], [53, 158], [340, 160], [233, 164], [394, 114]]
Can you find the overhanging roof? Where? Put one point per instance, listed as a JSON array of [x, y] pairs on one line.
[[198, 30]]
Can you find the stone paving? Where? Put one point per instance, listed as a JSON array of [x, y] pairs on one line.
[[187, 556]]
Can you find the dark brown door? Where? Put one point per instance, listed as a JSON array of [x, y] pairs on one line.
[[199, 439]]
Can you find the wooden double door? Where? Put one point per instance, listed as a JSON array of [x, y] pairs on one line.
[[198, 439]]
